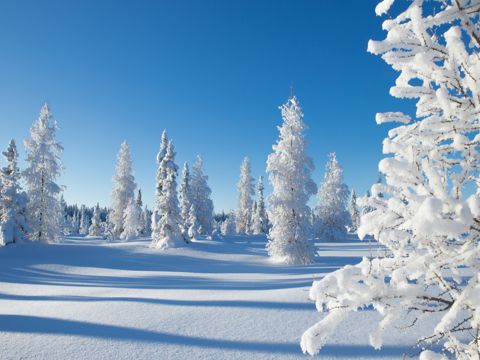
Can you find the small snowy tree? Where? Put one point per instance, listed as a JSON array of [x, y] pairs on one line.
[[123, 189], [354, 214], [147, 221], [260, 220], [167, 225], [96, 227], [132, 221], [289, 169], [13, 201], [185, 197], [429, 215], [84, 221], [44, 212], [193, 224], [332, 202], [201, 198], [245, 192], [229, 225]]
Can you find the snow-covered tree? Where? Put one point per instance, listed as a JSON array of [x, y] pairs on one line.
[[84, 221], [201, 198], [13, 201], [289, 169], [147, 221], [332, 202], [229, 225], [123, 189], [185, 196], [44, 212], [167, 225], [193, 224], [96, 227], [132, 221], [354, 214], [260, 219], [429, 216], [245, 193]]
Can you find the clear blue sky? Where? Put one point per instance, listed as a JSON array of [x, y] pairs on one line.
[[213, 73]]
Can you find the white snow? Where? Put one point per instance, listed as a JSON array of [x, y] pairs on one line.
[[90, 299]]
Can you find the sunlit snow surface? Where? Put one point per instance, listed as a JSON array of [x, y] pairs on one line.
[[88, 299]]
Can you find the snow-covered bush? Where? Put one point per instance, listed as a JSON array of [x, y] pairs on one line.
[[228, 227], [245, 192], [44, 211], [13, 201], [429, 214], [332, 202], [193, 224], [289, 169], [123, 190]]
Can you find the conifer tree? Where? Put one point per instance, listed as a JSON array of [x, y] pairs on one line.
[[123, 190], [13, 201], [185, 197], [260, 219], [96, 227], [354, 214], [228, 226], [44, 166], [201, 198], [132, 224], [289, 169], [332, 202], [245, 192]]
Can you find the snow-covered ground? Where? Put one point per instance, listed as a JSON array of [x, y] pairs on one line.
[[88, 299]]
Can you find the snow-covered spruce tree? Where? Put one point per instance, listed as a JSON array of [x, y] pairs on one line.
[[167, 231], [354, 214], [429, 217], [84, 221], [96, 227], [260, 219], [193, 224], [332, 202], [13, 201], [201, 198], [44, 212], [185, 197], [147, 221], [289, 169], [123, 189], [245, 193], [132, 221], [228, 226]]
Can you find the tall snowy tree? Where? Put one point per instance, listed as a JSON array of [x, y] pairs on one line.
[[332, 202], [13, 201], [44, 212], [245, 192], [185, 196], [429, 216], [123, 189], [96, 227], [354, 214], [132, 221], [201, 198], [289, 169], [167, 226], [260, 219]]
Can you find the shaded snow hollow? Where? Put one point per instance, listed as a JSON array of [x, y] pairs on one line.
[[88, 299]]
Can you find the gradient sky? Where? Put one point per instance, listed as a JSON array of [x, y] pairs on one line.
[[213, 73]]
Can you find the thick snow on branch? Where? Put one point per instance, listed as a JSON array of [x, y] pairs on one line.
[[428, 214]]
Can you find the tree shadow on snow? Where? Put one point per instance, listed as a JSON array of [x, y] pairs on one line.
[[51, 326]]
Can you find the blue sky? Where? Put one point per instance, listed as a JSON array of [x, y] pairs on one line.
[[213, 73]]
